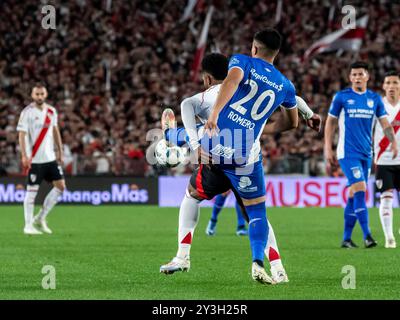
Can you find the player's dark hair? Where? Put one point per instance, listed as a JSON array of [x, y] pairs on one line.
[[392, 73], [270, 39], [359, 65], [215, 64], [39, 85]]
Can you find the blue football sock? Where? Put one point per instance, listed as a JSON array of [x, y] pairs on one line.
[[176, 136], [360, 208], [258, 230], [241, 223], [350, 219], [218, 205]]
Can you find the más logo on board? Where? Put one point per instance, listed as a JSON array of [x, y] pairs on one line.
[[119, 193]]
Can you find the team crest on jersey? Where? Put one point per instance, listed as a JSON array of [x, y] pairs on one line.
[[33, 177], [370, 103], [233, 61], [379, 183], [356, 173]]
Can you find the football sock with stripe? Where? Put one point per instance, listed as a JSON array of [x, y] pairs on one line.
[[188, 218], [271, 250], [360, 208], [386, 214], [258, 230], [350, 219]]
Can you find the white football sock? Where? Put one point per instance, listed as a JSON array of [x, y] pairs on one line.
[[188, 217], [386, 214], [29, 203], [50, 201], [271, 250]]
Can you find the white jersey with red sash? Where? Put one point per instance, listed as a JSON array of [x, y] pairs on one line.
[[383, 155], [39, 124]]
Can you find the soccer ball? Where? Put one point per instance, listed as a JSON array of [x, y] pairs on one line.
[[169, 156]]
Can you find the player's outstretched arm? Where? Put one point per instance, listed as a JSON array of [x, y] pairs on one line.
[[226, 92], [389, 133], [313, 120], [284, 120]]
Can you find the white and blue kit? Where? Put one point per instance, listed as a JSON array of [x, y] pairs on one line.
[[237, 145], [262, 90], [356, 113]]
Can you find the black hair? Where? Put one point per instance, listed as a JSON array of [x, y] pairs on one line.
[[270, 39], [215, 64], [39, 85], [392, 73], [359, 65]]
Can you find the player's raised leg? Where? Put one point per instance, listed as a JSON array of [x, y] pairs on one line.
[[168, 123]]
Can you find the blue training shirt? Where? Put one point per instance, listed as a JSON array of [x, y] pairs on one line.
[[241, 121], [356, 113]]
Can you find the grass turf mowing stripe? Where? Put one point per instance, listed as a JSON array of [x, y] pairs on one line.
[[114, 252]]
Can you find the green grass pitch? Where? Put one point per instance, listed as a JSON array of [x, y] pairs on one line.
[[114, 252]]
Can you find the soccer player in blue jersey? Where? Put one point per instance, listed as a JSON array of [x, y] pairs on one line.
[[251, 92], [198, 107], [195, 111], [355, 109]]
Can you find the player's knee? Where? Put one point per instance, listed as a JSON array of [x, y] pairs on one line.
[[387, 198], [358, 186], [225, 194], [252, 202], [60, 185], [387, 194], [31, 192]]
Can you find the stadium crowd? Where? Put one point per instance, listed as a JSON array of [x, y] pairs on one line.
[[110, 71]]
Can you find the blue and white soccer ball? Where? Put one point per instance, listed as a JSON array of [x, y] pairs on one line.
[[170, 156]]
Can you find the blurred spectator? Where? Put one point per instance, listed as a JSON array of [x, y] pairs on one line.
[[110, 74]]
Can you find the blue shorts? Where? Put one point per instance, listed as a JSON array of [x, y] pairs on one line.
[[211, 180], [356, 170], [249, 181]]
